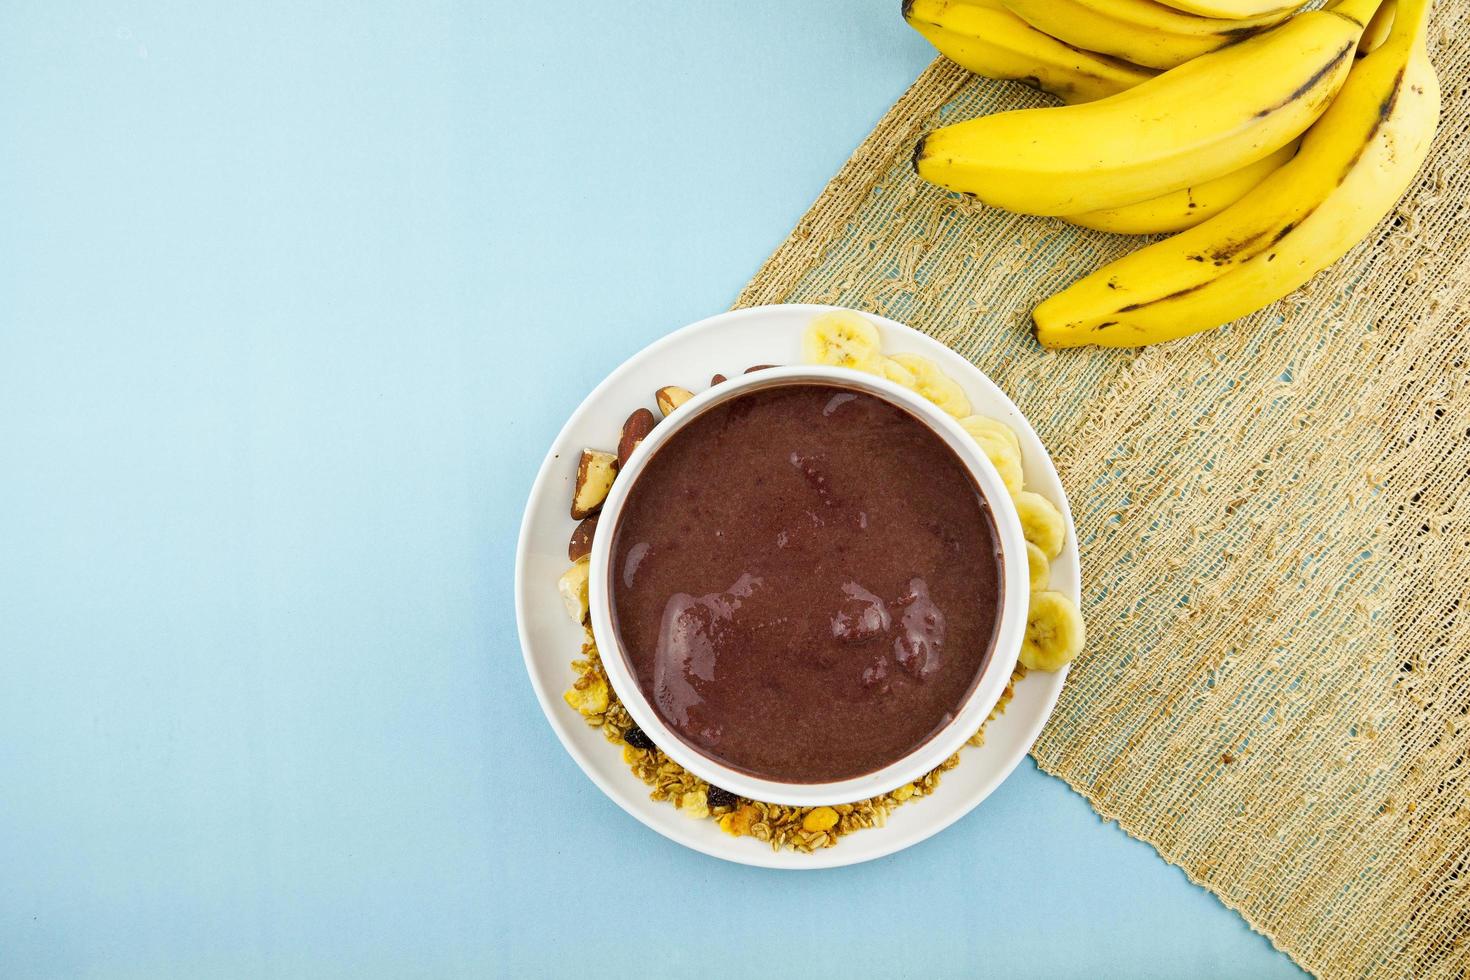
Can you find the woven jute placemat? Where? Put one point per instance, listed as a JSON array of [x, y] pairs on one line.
[[1274, 521]]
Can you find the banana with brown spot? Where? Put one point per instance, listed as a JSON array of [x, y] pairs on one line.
[[1225, 110], [1351, 170]]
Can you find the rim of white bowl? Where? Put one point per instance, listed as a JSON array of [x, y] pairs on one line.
[[1009, 631]]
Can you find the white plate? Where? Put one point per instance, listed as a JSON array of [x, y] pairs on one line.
[[728, 344]]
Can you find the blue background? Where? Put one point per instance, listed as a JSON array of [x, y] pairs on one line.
[[293, 296]]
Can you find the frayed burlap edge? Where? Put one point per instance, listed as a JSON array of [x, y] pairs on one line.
[[1273, 525]]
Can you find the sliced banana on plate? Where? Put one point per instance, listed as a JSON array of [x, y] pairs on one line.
[[841, 338], [1001, 445], [898, 374], [984, 425], [1039, 566], [1005, 459], [1041, 523], [1054, 633], [931, 382]]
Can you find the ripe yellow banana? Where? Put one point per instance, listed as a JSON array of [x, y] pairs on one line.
[[1140, 31], [1199, 121], [1178, 210], [1234, 9], [1352, 167], [986, 38]]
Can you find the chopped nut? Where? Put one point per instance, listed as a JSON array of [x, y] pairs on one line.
[[588, 695], [581, 544], [820, 820], [595, 473], [759, 367], [694, 805], [635, 430], [718, 379], [573, 588], [738, 822], [671, 397]]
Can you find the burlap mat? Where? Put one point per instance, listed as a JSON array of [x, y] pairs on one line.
[[1274, 529]]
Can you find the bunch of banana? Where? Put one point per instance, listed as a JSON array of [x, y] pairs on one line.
[[1214, 114], [1350, 171], [1233, 147], [1054, 632]]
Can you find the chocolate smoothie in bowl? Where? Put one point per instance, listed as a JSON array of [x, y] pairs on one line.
[[805, 581]]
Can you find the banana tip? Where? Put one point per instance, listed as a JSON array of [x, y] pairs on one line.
[[1046, 336], [1036, 335], [908, 5], [919, 151]]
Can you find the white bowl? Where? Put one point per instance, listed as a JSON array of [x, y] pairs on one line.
[[977, 707]]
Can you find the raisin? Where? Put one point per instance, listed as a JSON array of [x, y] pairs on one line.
[[636, 738], [721, 797]]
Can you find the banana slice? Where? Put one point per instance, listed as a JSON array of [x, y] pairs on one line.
[[984, 425], [1054, 632], [1005, 459], [935, 385], [898, 374], [1041, 522], [1040, 567], [842, 338]]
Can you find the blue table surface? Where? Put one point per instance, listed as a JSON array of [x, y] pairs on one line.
[[293, 297]]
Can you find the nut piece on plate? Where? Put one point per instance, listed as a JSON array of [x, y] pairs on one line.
[[671, 397], [737, 823], [595, 473], [573, 588], [635, 430], [694, 804], [760, 367], [718, 379], [581, 544], [820, 820], [589, 696]]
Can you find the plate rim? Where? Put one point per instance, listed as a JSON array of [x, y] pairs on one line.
[[765, 856]]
